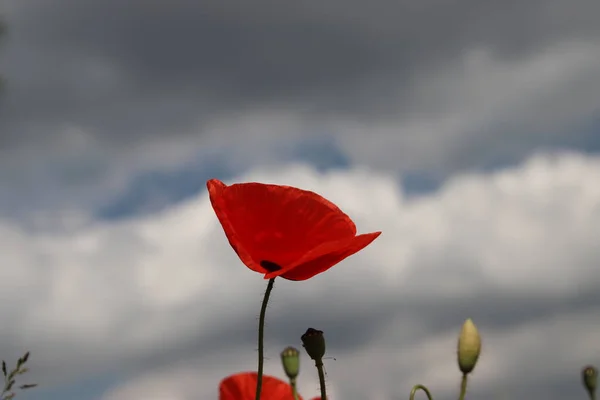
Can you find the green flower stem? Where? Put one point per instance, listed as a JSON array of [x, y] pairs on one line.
[[294, 388], [261, 334], [320, 370], [463, 387], [420, 387]]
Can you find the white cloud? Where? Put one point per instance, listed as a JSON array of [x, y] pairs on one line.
[[168, 287]]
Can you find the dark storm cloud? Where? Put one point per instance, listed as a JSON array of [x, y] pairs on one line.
[[132, 68], [133, 78]]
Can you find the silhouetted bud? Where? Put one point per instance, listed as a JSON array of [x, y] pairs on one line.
[[314, 343]]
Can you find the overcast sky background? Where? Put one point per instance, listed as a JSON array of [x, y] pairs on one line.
[[467, 131]]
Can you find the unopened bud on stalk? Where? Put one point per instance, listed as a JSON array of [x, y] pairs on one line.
[[314, 343], [290, 358], [589, 375], [469, 347]]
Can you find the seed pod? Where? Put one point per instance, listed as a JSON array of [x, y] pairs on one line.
[[290, 358]]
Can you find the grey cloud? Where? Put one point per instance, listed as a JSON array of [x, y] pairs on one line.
[[126, 68], [139, 76]]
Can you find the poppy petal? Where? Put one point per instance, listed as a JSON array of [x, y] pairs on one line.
[[276, 225], [242, 386], [329, 255], [216, 190]]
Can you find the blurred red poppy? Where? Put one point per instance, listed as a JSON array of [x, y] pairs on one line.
[[242, 386], [284, 231]]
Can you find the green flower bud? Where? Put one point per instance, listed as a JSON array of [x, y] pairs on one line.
[[589, 376], [469, 347], [290, 358], [314, 343]]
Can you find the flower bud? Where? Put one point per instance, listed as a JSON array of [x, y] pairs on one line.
[[314, 343], [590, 379], [469, 347], [290, 358]]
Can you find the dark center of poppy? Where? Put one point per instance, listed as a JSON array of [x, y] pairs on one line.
[[270, 266]]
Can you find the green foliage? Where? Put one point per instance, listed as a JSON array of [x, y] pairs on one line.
[[10, 378]]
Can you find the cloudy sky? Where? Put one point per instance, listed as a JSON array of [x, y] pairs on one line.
[[467, 131]]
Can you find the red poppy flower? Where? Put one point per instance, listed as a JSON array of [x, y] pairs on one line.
[[242, 386], [284, 231]]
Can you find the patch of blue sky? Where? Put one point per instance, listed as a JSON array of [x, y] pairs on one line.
[[153, 190], [91, 388], [321, 153], [582, 138], [589, 139], [420, 183]]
